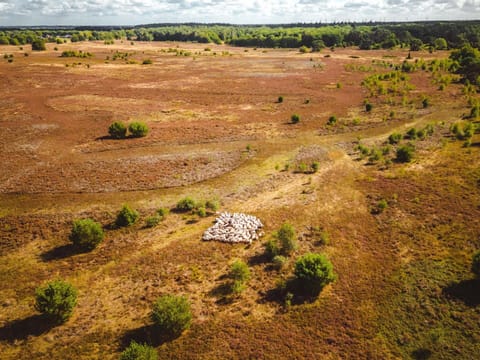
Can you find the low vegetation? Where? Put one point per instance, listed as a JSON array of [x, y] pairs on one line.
[[86, 234], [171, 314], [56, 300], [136, 351], [126, 216]]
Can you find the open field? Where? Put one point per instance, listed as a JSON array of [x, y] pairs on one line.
[[217, 131]]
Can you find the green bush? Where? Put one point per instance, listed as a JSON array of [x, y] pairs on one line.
[[127, 216], [368, 107], [425, 103], [239, 274], [280, 99], [476, 264], [137, 351], [56, 300], [212, 205], [163, 212], [271, 249], [405, 153], [186, 204], [171, 314], [279, 261], [287, 238], [314, 272], [117, 130], [86, 234], [202, 212], [147, 62], [295, 118], [315, 166], [394, 138], [138, 129], [38, 45], [332, 120], [153, 221], [411, 134]]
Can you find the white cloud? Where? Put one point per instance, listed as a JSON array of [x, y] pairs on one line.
[[78, 12]]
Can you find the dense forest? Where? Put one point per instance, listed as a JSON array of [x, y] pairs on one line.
[[415, 36]]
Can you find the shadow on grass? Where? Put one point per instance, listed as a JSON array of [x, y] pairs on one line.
[[421, 354], [223, 293], [148, 334], [258, 259], [467, 291], [34, 325], [293, 293], [60, 252]]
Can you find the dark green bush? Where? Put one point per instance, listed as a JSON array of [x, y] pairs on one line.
[[405, 153], [280, 99], [152, 221], [171, 314], [332, 120], [394, 138], [147, 62], [212, 205], [287, 238], [295, 118], [368, 107], [313, 272], [38, 45], [425, 103], [56, 300], [127, 216], [117, 130], [137, 351], [163, 212], [411, 134], [239, 274], [271, 249], [476, 264], [138, 129], [186, 204], [315, 166], [86, 234]]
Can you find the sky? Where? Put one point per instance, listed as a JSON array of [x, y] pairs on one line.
[[136, 12]]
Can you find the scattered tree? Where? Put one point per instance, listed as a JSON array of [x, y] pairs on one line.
[[138, 129], [405, 153], [314, 272], [239, 274], [287, 238], [117, 130], [136, 351], [56, 300], [126, 217], [86, 234], [38, 45], [171, 314], [295, 118]]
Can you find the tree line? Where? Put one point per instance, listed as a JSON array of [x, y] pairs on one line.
[[433, 35]]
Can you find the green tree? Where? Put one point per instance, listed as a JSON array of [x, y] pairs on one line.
[[171, 314], [314, 272], [38, 45], [138, 129], [295, 118], [405, 153], [126, 217], [239, 274], [56, 300], [86, 234], [440, 44], [136, 351], [117, 130], [468, 59], [287, 238]]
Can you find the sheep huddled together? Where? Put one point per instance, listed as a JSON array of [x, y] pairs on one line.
[[234, 228]]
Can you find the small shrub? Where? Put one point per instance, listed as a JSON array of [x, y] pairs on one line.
[[136, 351], [405, 153], [411, 134], [138, 129], [280, 99], [303, 49], [126, 217], [117, 130], [279, 261], [315, 166], [271, 249], [425, 103], [239, 274], [56, 300], [394, 138], [202, 212], [171, 314], [287, 238], [368, 107], [295, 118], [153, 221], [476, 264], [314, 272], [212, 205], [332, 120], [162, 213], [381, 206], [86, 234], [147, 62], [186, 204], [38, 45], [302, 168]]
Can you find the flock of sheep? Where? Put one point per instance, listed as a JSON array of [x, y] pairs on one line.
[[234, 228]]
